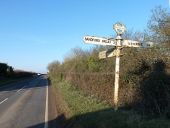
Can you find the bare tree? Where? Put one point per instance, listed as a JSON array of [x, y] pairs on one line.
[[159, 25]]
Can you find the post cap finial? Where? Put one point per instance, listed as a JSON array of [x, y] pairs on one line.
[[120, 28]]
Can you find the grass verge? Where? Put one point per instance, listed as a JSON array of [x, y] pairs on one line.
[[88, 112]]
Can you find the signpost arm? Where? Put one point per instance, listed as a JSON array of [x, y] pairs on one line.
[[116, 89]]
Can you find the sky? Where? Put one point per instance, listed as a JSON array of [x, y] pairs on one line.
[[34, 33]]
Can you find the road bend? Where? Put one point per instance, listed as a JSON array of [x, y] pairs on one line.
[[24, 104]]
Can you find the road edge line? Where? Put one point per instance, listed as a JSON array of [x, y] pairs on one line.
[[46, 109]]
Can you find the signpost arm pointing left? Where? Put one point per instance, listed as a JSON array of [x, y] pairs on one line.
[[98, 40]]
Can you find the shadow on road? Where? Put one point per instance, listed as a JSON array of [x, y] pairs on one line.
[[100, 119], [27, 83], [106, 118]]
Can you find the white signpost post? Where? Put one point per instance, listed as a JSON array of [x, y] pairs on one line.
[[119, 43]]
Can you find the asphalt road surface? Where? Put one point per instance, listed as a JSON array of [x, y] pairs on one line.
[[25, 104]]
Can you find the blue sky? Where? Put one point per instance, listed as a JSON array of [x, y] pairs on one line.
[[34, 33]]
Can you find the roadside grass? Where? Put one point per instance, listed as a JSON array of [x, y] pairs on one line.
[[78, 102], [88, 112]]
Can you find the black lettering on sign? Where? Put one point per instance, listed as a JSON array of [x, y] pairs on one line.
[[88, 39], [92, 39], [96, 40], [106, 41]]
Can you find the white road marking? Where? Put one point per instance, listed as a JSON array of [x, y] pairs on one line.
[[3, 100], [46, 109], [7, 98], [21, 89]]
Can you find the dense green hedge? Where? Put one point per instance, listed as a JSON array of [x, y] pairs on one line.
[[144, 77], [144, 73]]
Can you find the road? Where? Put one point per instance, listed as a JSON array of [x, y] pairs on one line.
[[25, 104]]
